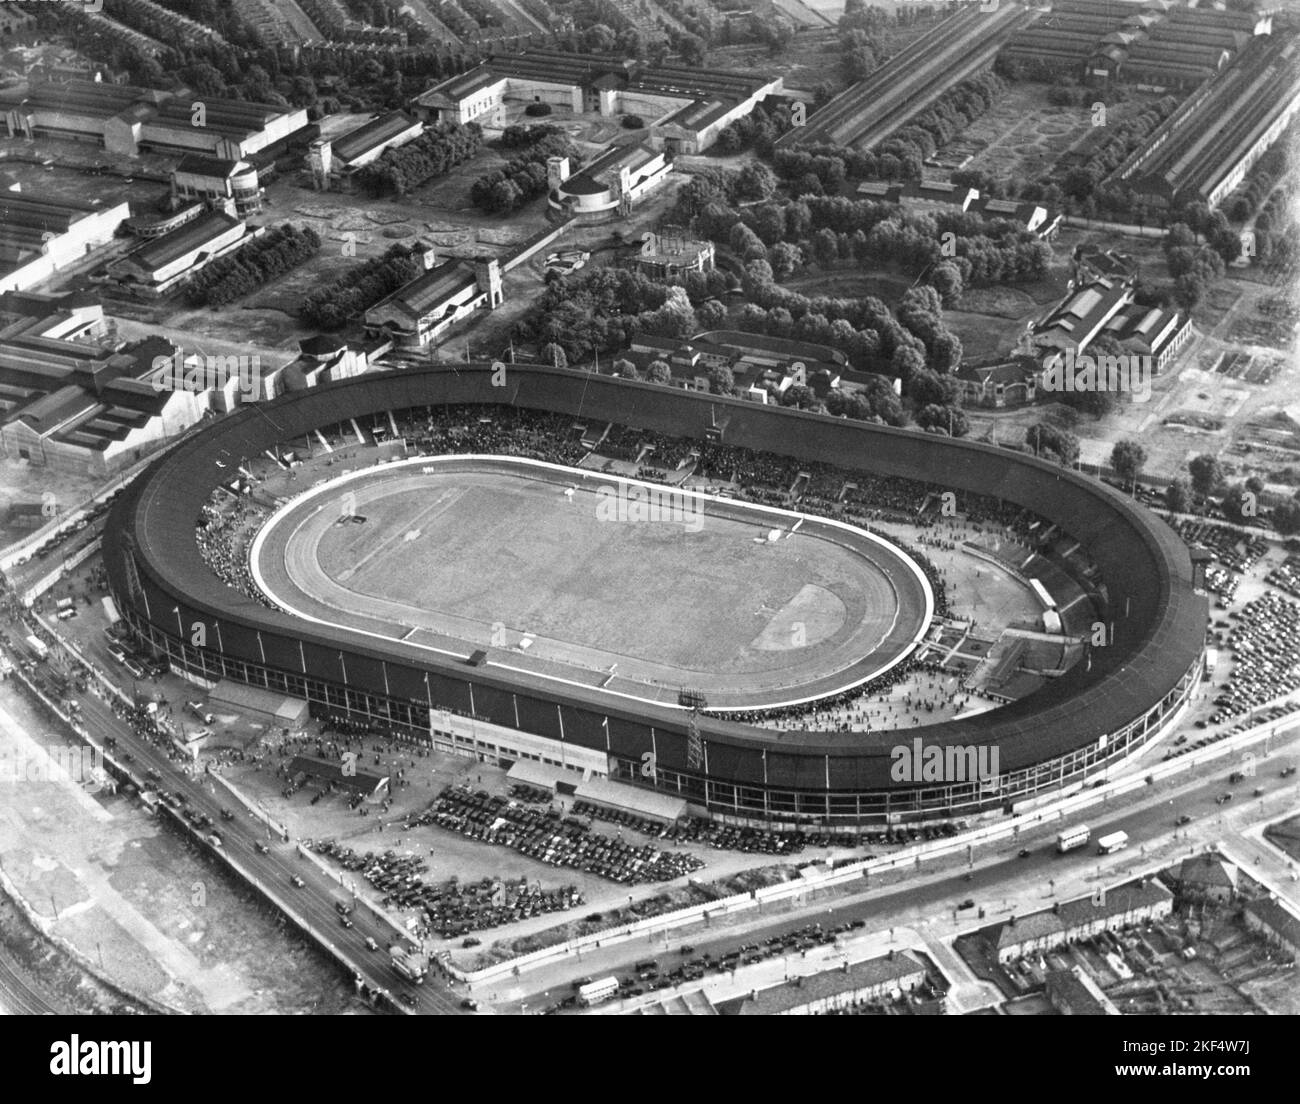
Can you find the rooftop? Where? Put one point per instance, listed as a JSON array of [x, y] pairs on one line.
[[366, 137], [185, 239], [830, 983], [429, 289]]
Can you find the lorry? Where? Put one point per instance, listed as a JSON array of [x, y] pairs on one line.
[[1072, 838], [596, 991], [38, 646], [1113, 842]]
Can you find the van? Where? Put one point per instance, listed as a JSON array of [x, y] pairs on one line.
[[133, 668]]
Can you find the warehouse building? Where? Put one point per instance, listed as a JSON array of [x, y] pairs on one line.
[[610, 186], [72, 404], [334, 161], [686, 108], [1203, 151], [425, 309], [217, 183], [128, 120], [162, 265], [1082, 316], [39, 237]]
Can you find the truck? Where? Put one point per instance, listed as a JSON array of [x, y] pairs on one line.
[[37, 645], [1072, 838], [197, 709], [596, 991], [1113, 842]]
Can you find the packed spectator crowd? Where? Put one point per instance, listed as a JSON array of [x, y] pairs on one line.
[[223, 538]]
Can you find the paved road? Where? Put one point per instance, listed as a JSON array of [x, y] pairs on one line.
[[314, 901], [1001, 882]]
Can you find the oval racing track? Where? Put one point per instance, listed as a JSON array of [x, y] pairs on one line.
[[885, 597]]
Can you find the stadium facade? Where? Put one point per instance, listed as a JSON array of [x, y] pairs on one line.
[[1065, 735]]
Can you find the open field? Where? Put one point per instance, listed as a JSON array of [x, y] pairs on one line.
[[484, 554], [1022, 136]]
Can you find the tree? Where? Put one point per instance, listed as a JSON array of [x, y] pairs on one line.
[[1286, 517], [553, 354], [692, 49], [721, 380], [711, 315], [799, 396], [785, 260], [946, 278], [1044, 437], [745, 244], [949, 419], [1239, 504], [825, 247], [1178, 496], [1127, 458], [659, 372], [625, 369], [755, 181], [599, 39], [1206, 473]]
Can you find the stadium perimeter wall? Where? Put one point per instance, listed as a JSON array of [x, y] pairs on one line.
[[1097, 713]]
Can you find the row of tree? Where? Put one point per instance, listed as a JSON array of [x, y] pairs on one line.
[[262, 260], [434, 153], [360, 287], [523, 178], [953, 248]]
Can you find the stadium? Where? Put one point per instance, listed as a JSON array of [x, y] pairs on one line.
[[413, 597]]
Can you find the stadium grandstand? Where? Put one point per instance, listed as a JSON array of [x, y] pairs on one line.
[[1071, 730]]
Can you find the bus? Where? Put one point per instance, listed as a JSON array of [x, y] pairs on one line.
[[1072, 838], [37, 645], [1108, 845], [596, 991]]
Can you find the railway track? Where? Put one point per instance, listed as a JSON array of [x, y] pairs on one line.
[[19, 998], [950, 52]]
